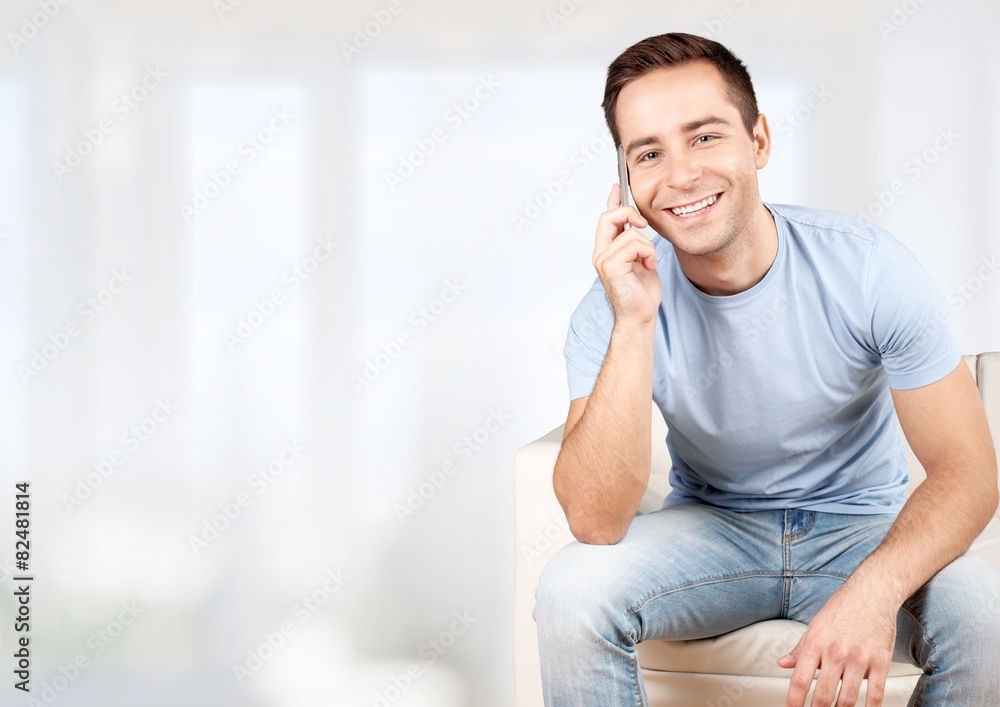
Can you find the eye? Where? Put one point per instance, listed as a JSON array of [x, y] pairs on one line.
[[643, 157], [700, 137]]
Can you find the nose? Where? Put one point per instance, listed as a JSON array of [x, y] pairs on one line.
[[680, 170]]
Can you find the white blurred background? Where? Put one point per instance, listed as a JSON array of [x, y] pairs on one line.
[[285, 285]]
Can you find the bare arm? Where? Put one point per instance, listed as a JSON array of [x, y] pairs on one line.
[[946, 426], [603, 467], [854, 633]]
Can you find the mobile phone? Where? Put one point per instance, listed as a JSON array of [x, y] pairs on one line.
[[622, 175]]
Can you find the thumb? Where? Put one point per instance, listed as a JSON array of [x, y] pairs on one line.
[[789, 661]]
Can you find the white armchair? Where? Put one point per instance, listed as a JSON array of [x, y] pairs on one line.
[[737, 667]]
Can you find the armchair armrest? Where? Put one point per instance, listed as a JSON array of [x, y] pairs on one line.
[[540, 528]]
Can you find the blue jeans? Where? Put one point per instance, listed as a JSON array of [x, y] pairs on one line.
[[694, 570]]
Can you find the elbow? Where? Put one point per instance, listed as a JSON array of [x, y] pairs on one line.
[[994, 497], [988, 499], [604, 540], [593, 534]]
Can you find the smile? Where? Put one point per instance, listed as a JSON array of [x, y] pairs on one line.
[[696, 209]]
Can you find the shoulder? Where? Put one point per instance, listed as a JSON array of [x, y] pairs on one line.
[[857, 240], [593, 315], [810, 222]]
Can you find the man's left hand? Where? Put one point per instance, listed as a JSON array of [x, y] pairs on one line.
[[852, 637]]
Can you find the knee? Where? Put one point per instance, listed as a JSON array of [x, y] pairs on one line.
[[578, 586], [979, 605]]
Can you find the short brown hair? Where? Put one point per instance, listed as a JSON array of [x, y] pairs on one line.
[[672, 50]]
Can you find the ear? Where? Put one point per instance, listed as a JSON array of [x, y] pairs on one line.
[[762, 140]]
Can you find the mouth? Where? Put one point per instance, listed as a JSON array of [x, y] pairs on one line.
[[695, 211]]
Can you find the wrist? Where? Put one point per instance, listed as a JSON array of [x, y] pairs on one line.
[[635, 327], [879, 590]]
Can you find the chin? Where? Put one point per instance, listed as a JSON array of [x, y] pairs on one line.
[[707, 245]]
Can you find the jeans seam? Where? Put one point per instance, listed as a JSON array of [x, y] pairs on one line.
[[690, 585], [729, 578], [631, 637], [918, 691], [786, 568], [637, 674]]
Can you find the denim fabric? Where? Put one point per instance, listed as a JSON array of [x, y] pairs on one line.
[[694, 570]]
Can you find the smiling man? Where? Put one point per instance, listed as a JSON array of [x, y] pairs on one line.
[[782, 344]]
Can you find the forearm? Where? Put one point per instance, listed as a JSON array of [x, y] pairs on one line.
[[938, 523], [603, 466]]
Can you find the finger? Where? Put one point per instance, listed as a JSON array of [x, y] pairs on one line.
[[801, 681], [851, 685], [876, 685], [615, 198], [611, 224], [624, 251], [826, 687], [789, 661], [622, 259]]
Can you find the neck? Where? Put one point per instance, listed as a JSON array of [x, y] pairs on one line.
[[741, 263]]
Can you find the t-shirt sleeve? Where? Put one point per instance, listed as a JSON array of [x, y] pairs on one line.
[[910, 327], [587, 341]]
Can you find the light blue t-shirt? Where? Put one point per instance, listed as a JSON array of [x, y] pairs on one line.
[[778, 396]]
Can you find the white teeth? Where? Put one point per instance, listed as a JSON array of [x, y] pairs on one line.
[[691, 208]]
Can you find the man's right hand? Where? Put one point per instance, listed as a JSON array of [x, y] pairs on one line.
[[625, 261]]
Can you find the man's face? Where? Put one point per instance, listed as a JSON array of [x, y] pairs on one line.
[[675, 158]]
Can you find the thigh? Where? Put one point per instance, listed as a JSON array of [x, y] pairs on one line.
[[824, 553], [682, 572], [953, 621]]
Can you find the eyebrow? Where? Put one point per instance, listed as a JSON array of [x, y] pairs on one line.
[[688, 127]]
